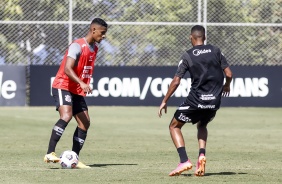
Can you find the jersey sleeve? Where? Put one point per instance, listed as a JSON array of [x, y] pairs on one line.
[[74, 51], [183, 66], [222, 60]]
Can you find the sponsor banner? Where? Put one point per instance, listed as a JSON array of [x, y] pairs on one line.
[[146, 86], [12, 85], [255, 86]]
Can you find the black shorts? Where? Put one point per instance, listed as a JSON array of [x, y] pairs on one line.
[[194, 116], [63, 97]]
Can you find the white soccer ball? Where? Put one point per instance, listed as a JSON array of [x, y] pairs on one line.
[[68, 159]]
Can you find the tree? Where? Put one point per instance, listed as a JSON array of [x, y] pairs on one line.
[[141, 44]]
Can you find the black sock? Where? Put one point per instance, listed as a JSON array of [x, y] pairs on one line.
[[182, 154], [56, 134], [79, 137], [202, 151]]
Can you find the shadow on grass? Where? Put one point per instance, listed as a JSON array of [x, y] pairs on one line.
[[97, 165], [220, 173], [223, 173], [105, 165]]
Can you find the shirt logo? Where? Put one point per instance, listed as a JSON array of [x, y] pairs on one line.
[[197, 52], [200, 106], [208, 97], [90, 59]]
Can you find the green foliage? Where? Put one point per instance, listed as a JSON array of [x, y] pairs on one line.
[[242, 45], [15, 55], [252, 45], [11, 8]]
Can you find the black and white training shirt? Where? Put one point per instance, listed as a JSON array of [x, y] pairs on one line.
[[205, 64]]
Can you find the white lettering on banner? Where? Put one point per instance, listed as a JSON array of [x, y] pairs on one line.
[[249, 87], [128, 87], [131, 87], [145, 88], [165, 85], [7, 88], [183, 88], [154, 87], [101, 86], [115, 87]]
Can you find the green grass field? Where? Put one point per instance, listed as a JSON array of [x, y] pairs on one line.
[[133, 145]]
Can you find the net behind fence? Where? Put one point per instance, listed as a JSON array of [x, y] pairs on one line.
[[141, 32]]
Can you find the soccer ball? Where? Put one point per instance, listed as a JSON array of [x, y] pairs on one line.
[[68, 159]]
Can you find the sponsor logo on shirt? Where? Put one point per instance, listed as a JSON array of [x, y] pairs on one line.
[[207, 97], [197, 52], [86, 72], [90, 59], [206, 106]]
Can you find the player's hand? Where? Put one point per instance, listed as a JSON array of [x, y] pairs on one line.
[[226, 90], [162, 106], [86, 88]]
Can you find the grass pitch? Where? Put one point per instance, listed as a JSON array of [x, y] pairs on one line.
[[133, 145]]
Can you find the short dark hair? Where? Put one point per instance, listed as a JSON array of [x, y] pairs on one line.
[[100, 22], [198, 28]]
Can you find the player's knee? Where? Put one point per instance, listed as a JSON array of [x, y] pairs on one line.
[[84, 125], [175, 124], [87, 125], [201, 125], [171, 125], [66, 117]]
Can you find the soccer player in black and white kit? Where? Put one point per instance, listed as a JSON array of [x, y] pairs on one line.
[[207, 67]]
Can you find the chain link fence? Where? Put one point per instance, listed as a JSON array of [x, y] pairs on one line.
[[141, 32]]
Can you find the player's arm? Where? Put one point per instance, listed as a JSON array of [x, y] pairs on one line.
[[228, 74], [228, 78], [72, 75], [172, 87], [73, 55], [181, 70]]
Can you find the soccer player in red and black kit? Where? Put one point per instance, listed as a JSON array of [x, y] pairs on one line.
[[207, 67], [71, 85]]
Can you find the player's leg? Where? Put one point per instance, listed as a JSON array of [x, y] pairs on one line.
[[80, 134], [65, 112], [202, 140], [80, 111], [178, 140], [202, 136], [64, 106]]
